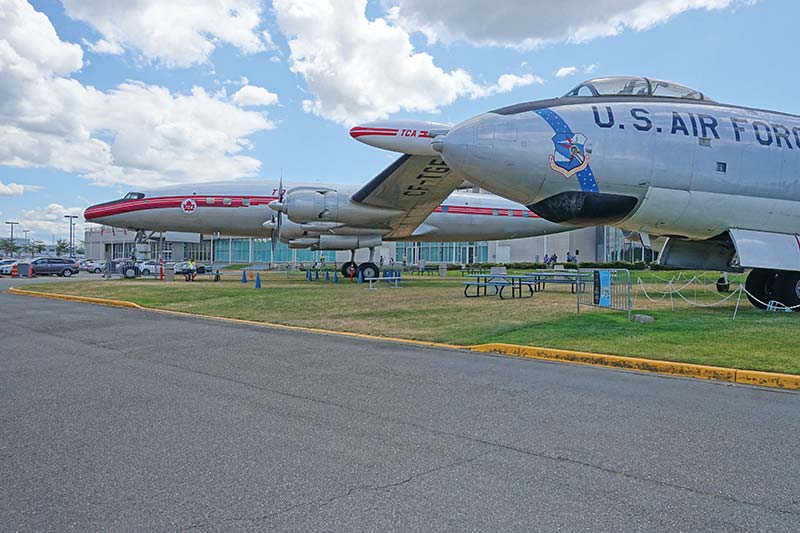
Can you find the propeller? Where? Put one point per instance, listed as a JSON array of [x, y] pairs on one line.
[[277, 218]]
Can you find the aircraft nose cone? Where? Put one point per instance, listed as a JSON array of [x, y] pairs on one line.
[[458, 148]]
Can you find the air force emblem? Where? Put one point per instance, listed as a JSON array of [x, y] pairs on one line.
[[569, 156]]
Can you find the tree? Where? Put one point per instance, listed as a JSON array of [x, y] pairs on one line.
[[62, 246], [8, 246], [80, 249], [34, 248]]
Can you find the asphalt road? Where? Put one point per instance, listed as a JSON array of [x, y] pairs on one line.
[[118, 419]]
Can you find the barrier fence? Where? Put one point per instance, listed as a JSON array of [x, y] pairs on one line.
[[604, 288]]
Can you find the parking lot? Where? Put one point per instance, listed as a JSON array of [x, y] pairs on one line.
[[126, 419]]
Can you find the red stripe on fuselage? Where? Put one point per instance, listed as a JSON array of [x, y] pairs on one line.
[[129, 206], [168, 202]]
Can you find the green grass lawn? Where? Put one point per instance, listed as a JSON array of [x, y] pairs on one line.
[[435, 309]]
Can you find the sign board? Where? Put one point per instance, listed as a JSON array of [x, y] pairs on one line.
[[180, 236]]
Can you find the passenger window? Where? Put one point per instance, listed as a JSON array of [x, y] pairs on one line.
[[245, 202]]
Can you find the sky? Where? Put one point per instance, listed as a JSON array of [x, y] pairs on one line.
[[102, 97]]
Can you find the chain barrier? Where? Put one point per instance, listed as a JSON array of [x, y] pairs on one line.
[[672, 290]]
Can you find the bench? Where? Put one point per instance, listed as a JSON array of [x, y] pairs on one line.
[[394, 282], [427, 270], [498, 287]]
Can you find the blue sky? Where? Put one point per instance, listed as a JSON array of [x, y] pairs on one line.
[[101, 107]]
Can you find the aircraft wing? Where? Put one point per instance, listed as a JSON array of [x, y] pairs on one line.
[[413, 184]]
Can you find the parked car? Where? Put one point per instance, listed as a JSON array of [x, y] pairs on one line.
[[6, 266], [146, 268], [55, 266], [180, 267], [95, 267]]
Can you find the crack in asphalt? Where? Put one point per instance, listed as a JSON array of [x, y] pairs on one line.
[[349, 492]]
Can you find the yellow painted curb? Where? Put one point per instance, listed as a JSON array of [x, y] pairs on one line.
[[768, 379], [83, 299], [733, 375], [616, 361]]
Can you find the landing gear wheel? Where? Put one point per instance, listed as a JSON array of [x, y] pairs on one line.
[[787, 288], [346, 269], [146, 272], [761, 285], [723, 285], [369, 270]]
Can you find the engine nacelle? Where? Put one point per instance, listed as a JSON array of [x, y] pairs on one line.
[[405, 136], [337, 242], [307, 205]]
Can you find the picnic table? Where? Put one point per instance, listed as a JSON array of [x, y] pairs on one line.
[[571, 277], [499, 283]]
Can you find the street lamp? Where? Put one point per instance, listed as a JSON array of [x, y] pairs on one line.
[[28, 240], [12, 224], [71, 241]]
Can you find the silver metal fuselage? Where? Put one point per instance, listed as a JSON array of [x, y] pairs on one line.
[[241, 209], [690, 169]]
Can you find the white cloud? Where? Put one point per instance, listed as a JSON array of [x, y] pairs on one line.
[[133, 134], [50, 220], [15, 189], [177, 33], [527, 24], [563, 72], [250, 95], [360, 69], [589, 69]]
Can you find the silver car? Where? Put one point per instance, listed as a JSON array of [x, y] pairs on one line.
[[6, 266]]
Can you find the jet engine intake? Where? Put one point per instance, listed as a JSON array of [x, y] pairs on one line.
[[584, 208]]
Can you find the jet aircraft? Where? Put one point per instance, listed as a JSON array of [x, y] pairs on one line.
[[720, 182]]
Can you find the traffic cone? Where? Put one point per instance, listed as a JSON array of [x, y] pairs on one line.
[[336, 276], [316, 275], [327, 276], [308, 275], [258, 280], [360, 277], [244, 276], [14, 271], [251, 274]]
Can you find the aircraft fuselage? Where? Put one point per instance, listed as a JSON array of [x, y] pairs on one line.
[[658, 165]]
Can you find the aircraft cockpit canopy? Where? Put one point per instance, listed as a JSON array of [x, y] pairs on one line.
[[134, 196], [629, 86]]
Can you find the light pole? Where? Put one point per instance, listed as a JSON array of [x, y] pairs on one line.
[[71, 224], [28, 241], [12, 224]]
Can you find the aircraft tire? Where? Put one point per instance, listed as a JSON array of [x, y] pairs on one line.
[[723, 285], [369, 270], [787, 288], [761, 284], [346, 269]]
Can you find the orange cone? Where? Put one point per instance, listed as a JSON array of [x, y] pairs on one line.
[[14, 271]]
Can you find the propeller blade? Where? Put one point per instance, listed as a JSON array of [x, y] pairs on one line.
[[277, 218]]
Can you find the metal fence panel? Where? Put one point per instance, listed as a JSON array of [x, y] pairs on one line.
[[605, 288]]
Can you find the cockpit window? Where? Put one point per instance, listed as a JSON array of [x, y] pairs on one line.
[[134, 196], [621, 86]]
